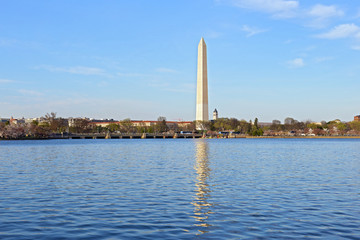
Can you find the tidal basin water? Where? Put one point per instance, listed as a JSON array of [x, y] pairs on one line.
[[180, 189]]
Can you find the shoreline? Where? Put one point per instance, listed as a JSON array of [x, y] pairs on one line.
[[308, 137], [233, 137]]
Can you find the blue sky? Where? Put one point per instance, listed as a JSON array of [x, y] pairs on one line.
[[269, 59]]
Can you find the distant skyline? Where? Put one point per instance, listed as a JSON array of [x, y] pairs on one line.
[[269, 59]]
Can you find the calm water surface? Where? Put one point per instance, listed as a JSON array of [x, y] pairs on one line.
[[180, 189]]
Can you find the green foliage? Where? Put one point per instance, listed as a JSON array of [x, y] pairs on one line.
[[113, 127], [222, 124], [243, 126], [44, 125], [257, 132], [277, 126], [232, 124], [255, 129], [314, 126], [51, 124], [342, 126], [150, 129], [248, 130], [99, 129], [256, 123], [355, 125]]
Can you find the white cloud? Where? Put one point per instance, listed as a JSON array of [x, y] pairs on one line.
[[133, 75], [251, 31], [75, 70], [320, 15], [6, 81], [323, 59], [77, 106], [322, 11], [165, 70], [296, 63], [7, 42], [316, 16], [280, 8], [84, 70], [342, 31], [29, 92], [357, 47]]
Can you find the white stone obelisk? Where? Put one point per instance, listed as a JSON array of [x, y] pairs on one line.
[[202, 110]]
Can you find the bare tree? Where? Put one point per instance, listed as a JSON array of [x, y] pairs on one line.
[[55, 124], [276, 122], [126, 125]]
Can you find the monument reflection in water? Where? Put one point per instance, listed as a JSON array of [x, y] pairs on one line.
[[203, 192]]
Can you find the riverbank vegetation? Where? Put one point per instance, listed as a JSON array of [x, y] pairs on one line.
[[51, 125]]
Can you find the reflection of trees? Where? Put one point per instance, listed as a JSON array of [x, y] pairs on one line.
[[201, 201]]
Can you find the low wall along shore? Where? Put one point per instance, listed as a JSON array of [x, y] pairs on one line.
[[176, 135]]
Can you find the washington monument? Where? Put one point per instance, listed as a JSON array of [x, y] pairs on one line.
[[202, 111]]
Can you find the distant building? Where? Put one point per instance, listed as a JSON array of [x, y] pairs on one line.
[[170, 124], [357, 118], [264, 124], [31, 120], [14, 121], [4, 120], [179, 124], [102, 122], [215, 114], [72, 121], [141, 123]]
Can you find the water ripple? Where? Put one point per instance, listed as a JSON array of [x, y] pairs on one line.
[[180, 189]]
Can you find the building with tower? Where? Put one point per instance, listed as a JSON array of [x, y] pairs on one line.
[[215, 114]]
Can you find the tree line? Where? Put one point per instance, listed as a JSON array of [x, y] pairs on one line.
[[331, 128], [52, 124]]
